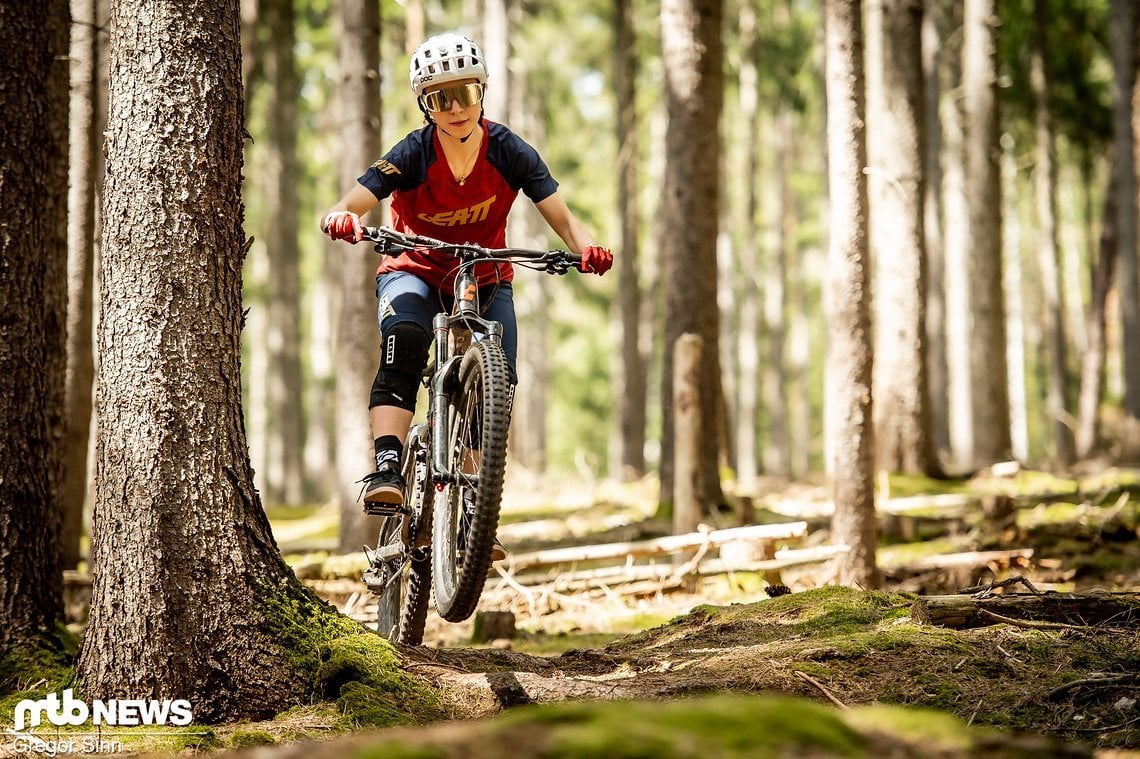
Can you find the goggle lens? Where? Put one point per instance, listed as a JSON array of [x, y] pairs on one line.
[[441, 100]]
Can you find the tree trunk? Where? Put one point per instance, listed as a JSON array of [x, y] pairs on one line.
[[1123, 32], [630, 372], [850, 354], [33, 292], [1048, 254], [988, 366], [1093, 360], [747, 348], [935, 23], [357, 338], [897, 186], [692, 53], [496, 46], [956, 249], [286, 403], [184, 567], [1119, 610], [86, 127], [776, 286]]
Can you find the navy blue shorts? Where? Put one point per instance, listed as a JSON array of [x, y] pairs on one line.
[[404, 297]]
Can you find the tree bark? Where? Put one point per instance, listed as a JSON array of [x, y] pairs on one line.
[[86, 126], [33, 292], [1123, 33], [1058, 405], [630, 372], [897, 185], [747, 281], [1080, 609], [357, 337], [935, 23], [183, 561], [692, 54], [1093, 359], [286, 404], [850, 354], [988, 365]]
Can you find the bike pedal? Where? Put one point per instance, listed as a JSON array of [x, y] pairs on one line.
[[374, 580], [380, 509]]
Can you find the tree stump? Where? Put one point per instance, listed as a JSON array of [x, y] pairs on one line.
[[493, 625]]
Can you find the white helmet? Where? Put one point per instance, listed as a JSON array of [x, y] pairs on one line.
[[446, 58]]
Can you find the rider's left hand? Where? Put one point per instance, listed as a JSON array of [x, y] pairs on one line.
[[596, 259]]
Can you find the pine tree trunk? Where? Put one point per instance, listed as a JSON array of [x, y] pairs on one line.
[[630, 372], [989, 375], [776, 284], [33, 293], [183, 560], [850, 354], [1093, 359], [84, 145], [960, 421], [1123, 32], [692, 53], [286, 405], [747, 348], [897, 186], [358, 340], [1048, 253], [935, 23]]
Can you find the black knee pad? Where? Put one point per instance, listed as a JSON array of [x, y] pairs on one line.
[[403, 357]]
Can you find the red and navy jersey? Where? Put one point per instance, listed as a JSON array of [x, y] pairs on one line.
[[427, 200]]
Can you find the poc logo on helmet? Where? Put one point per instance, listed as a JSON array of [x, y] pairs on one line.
[[72, 711]]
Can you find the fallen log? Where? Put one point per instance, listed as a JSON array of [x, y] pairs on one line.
[[964, 559], [621, 575], [669, 544], [1095, 608]]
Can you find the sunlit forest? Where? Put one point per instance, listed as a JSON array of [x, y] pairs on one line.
[[772, 238]]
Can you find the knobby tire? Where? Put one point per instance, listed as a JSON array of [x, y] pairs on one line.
[[480, 417]]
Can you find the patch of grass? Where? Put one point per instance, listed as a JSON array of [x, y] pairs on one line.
[[539, 644], [251, 738]]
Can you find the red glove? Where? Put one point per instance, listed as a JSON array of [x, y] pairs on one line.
[[343, 225], [596, 259]]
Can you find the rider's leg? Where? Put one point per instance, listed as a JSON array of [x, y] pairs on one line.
[[404, 314]]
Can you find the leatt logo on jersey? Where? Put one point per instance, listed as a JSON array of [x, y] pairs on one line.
[[386, 167], [472, 215]]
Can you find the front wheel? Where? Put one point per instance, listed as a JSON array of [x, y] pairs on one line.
[[466, 514]]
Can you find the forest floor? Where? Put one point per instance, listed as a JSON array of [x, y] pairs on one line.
[[717, 668]]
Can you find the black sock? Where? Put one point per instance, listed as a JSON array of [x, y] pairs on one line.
[[388, 448]]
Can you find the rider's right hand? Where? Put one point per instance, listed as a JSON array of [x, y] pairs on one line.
[[343, 225]]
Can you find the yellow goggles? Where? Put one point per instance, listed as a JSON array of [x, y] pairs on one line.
[[441, 100]]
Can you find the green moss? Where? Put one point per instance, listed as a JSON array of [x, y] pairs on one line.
[[338, 659], [31, 671], [934, 729]]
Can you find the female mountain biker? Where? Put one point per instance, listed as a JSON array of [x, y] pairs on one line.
[[455, 180]]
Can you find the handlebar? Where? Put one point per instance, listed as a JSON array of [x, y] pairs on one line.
[[390, 242]]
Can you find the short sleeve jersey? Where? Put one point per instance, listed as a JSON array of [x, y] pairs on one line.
[[427, 199]]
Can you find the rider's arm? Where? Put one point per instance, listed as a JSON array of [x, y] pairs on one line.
[[564, 223], [359, 201], [595, 258]]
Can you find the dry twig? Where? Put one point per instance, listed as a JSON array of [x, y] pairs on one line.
[[805, 676]]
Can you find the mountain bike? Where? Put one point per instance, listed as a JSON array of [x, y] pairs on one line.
[[441, 537]]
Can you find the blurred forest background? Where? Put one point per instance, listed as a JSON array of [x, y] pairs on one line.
[[1005, 322]]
